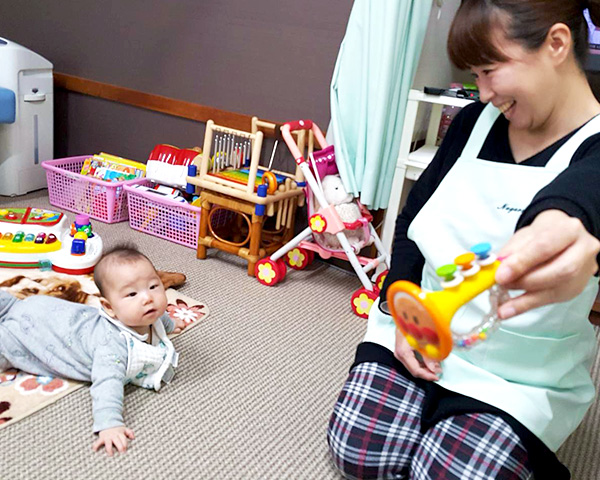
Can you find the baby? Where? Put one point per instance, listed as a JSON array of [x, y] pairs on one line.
[[124, 342]]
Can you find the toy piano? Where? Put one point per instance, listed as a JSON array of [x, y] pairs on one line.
[[37, 238]]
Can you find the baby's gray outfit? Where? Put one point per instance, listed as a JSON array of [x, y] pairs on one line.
[[48, 336]]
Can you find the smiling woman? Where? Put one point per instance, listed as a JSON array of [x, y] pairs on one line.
[[473, 37], [519, 170]]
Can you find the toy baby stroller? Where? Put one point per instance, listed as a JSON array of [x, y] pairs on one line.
[[326, 234]]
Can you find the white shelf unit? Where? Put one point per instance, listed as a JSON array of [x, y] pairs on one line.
[[410, 164]]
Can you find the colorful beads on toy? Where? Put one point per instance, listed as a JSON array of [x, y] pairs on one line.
[[51, 238], [269, 179], [18, 237]]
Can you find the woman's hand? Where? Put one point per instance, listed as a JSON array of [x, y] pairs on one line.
[[117, 437], [419, 367], [552, 260]]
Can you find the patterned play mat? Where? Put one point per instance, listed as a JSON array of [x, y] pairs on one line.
[[22, 394]]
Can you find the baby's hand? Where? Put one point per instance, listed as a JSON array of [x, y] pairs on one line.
[[179, 325], [116, 436]]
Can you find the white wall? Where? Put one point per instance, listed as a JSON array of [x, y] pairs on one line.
[[435, 69]]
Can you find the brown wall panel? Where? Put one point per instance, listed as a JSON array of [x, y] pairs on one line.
[[269, 58]]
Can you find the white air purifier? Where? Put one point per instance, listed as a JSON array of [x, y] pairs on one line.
[[26, 138]]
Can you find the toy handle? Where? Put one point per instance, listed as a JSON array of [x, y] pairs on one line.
[[489, 324], [286, 132], [299, 125]]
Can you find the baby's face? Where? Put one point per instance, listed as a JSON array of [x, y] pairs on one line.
[[135, 295]]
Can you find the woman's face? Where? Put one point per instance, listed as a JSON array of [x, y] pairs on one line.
[[522, 87]]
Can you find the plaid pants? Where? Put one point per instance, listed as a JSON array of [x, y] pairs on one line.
[[374, 432]]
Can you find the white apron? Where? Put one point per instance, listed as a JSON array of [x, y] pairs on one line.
[[536, 366]]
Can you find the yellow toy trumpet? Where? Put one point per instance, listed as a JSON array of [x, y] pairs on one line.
[[424, 317]]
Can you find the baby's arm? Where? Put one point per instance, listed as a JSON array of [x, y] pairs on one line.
[[172, 326], [108, 377]]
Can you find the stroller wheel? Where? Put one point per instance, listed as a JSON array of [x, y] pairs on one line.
[[299, 258], [362, 301], [380, 279], [282, 269], [269, 272]]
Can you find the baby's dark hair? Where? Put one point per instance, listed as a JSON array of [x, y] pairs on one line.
[[117, 255]]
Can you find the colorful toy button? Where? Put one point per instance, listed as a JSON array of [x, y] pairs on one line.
[[51, 238], [30, 237], [7, 237], [482, 250], [40, 237], [78, 247], [18, 237], [465, 261], [447, 272]]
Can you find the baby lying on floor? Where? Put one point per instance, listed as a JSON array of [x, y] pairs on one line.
[[124, 342]]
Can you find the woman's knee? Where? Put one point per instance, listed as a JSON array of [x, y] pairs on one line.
[[374, 427], [471, 446]]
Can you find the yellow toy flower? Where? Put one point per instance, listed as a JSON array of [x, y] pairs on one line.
[[363, 304], [266, 272], [296, 258], [318, 223]]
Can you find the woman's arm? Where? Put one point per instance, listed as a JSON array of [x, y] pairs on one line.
[[555, 249]]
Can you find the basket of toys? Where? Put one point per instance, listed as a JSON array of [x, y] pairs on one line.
[[93, 184], [162, 212]]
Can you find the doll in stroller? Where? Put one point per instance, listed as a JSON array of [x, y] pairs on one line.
[[339, 226]]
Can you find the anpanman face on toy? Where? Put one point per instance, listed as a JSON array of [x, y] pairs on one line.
[[415, 321], [414, 318]]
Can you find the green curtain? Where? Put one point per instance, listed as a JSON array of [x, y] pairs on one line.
[[373, 74]]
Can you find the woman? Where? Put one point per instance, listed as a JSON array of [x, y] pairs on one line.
[[519, 170]]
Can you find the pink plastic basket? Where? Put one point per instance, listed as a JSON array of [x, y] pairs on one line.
[[68, 189], [163, 217]]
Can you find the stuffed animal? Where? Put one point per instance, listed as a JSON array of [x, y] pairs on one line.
[[346, 207]]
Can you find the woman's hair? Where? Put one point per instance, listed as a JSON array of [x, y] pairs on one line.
[[471, 39]]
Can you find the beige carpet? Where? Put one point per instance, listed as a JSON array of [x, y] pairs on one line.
[[253, 393]]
